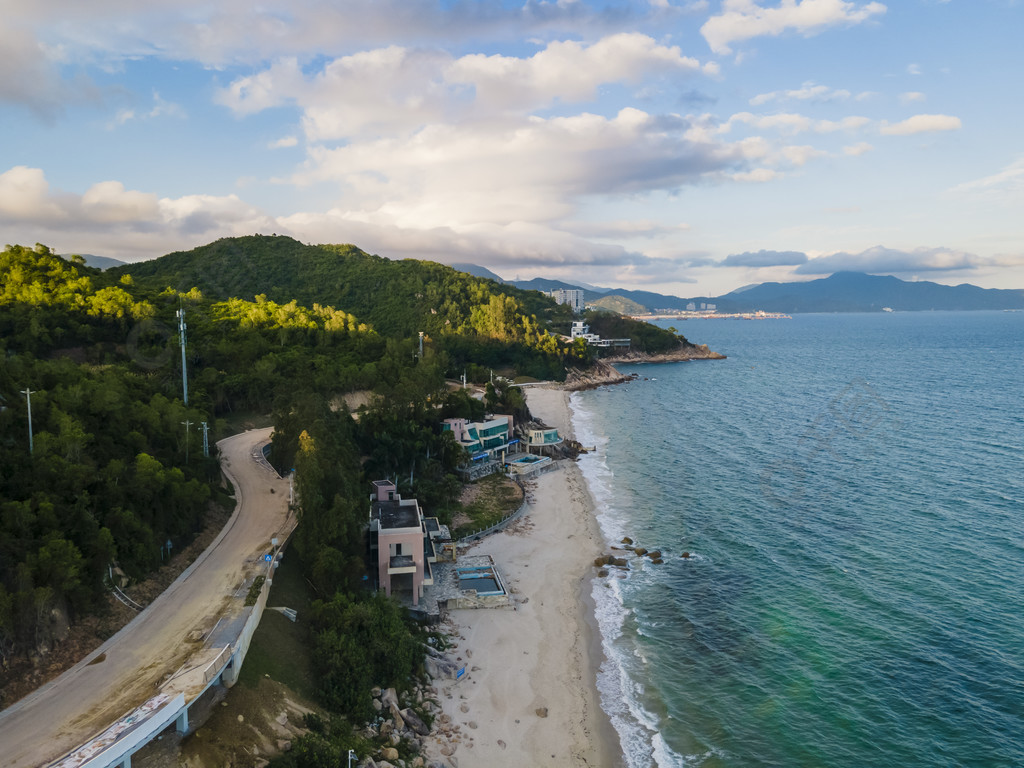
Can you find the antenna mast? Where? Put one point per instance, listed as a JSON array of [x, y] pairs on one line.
[[181, 336]]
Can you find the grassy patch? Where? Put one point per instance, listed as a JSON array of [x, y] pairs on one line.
[[495, 497], [280, 647]]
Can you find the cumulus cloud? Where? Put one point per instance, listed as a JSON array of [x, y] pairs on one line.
[[764, 258], [395, 89], [880, 259], [110, 219], [25, 195], [109, 202], [569, 71], [921, 124], [745, 19], [284, 142], [911, 96], [531, 169]]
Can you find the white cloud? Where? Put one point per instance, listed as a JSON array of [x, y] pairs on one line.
[[809, 91], [880, 259], [25, 195], [757, 176], [911, 96], [858, 149], [568, 71], [110, 202], [284, 142], [913, 69], [851, 123], [397, 89], [31, 74], [161, 108], [785, 122], [1005, 187], [921, 124], [799, 156], [528, 170], [745, 19], [233, 32], [275, 86], [111, 215]]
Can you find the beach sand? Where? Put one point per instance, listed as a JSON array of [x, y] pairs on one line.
[[544, 653]]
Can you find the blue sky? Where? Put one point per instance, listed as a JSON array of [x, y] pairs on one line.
[[682, 146]]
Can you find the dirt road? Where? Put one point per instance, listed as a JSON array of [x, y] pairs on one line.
[[126, 670]]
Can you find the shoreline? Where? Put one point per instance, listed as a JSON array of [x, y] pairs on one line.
[[530, 692], [604, 372]]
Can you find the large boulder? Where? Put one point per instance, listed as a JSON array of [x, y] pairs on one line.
[[389, 753], [415, 722], [389, 698], [396, 715], [442, 668]]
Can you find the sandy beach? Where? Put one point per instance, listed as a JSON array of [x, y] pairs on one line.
[[530, 696]]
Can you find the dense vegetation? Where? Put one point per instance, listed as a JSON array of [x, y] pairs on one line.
[[643, 337], [107, 480], [274, 326], [475, 321]]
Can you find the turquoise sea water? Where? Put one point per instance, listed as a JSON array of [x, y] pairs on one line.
[[851, 488]]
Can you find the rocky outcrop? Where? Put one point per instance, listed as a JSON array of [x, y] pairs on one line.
[[683, 353], [602, 372], [597, 375]]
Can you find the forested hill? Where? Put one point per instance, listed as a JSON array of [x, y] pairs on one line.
[[397, 298]]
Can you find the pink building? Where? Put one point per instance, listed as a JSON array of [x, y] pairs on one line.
[[403, 541]]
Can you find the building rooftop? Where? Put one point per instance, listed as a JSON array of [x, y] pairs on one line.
[[393, 514]]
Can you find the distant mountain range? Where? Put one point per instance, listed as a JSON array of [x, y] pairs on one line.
[[841, 292], [100, 262]]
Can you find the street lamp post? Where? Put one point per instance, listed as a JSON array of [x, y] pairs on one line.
[[187, 424], [28, 397], [351, 754]]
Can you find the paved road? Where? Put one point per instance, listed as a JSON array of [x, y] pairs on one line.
[[87, 698]]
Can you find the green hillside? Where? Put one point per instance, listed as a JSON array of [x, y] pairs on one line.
[[620, 305]]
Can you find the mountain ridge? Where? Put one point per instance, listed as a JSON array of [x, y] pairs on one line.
[[840, 292]]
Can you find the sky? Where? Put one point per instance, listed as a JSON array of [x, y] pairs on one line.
[[688, 147]]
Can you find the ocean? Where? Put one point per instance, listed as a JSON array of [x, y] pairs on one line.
[[850, 489]]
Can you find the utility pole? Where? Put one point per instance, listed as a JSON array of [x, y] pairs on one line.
[[206, 439], [421, 345], [181, 336], [187, 424], [28, 397], [463, 379]]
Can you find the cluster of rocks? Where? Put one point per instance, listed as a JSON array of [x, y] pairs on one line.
[[401, 722], [612, 560]]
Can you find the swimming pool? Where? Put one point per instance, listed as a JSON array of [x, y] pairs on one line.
[[483, 579]]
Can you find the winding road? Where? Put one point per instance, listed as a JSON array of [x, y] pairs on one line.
[[127, 669]]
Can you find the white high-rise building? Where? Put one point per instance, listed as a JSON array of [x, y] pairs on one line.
[[571, 296]]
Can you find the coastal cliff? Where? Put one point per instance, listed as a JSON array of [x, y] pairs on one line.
[[602, 372]]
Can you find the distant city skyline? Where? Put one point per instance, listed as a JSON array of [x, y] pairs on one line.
[[685, 147]]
